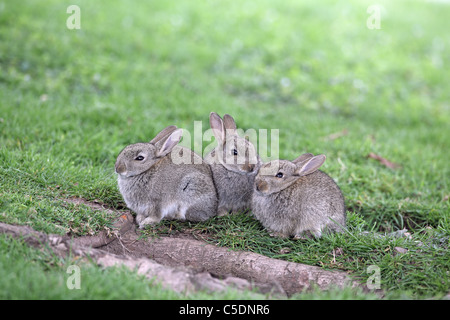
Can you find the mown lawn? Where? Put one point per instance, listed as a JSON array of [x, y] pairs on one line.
[[70, 100]]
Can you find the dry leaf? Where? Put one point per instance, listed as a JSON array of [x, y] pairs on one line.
[[400, 250], [336, 135], [383, 161], [285, 250], [338, 251]]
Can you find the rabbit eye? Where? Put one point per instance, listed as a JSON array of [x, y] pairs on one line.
[[279, 175], [139, 158], [235, 152]]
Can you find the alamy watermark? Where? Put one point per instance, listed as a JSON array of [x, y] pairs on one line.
[[74, 20], [239, 147], [74, 280], [374, 281], [374, 19]]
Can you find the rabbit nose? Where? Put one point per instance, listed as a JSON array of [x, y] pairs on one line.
[[249, 167], [261, 186], [120, 168]]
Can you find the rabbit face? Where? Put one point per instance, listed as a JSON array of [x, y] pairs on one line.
[[278, 175], [235, 153], [275, 176], [136, 159], [140, 157], [238, 155]]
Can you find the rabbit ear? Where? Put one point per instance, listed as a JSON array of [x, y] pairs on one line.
[[216, 123], [163, 134], [171, 141], [303, 158], [310, 166], [229, 124]]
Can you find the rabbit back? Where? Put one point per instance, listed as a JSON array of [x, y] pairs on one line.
[[185, 191]]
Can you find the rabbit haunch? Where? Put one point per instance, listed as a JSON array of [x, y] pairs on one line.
[[156, 188], [297, 198]]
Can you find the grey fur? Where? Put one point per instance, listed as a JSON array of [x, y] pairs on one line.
[[156, 188], [304, 200], [233, 175]]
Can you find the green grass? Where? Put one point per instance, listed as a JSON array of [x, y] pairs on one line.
[[70, 100]]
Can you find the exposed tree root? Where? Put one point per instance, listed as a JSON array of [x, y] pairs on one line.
[[184, 265], [179, 279]]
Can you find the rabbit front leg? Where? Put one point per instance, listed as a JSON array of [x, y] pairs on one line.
[[308, 234], [150, 216], [147, 221]]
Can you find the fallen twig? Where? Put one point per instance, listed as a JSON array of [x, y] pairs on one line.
[[383, 161]]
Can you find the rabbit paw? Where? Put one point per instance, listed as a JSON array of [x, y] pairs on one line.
[[148, 221], [309, 234]]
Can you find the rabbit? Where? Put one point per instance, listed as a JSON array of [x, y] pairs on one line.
[[234, 164], [155, 187], [295, 198]]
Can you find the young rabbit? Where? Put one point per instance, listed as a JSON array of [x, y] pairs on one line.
[[294, 198], [156, 188], [234, 164]]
